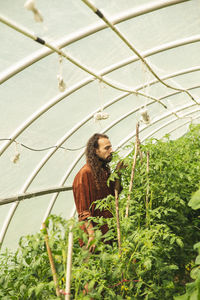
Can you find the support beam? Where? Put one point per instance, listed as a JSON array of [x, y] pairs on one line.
[[35, 194], [78, 35]]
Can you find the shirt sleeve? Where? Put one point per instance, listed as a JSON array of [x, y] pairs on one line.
[[82, 194]]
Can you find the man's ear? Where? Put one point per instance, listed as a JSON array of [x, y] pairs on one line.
[[97, 151]]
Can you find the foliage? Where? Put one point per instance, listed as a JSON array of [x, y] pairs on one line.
[[26, 274], [157, 237], [193, 288]]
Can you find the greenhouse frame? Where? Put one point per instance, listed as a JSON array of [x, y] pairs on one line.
[[70, 69]]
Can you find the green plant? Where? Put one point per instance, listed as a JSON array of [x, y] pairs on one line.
[[156, 255], [193, 288]]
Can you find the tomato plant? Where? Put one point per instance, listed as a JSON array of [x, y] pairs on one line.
[[157, 238]]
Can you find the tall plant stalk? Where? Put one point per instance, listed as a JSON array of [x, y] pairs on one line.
[[117, 216], [133, 168], [147, 193], [69, 264], [53, 269]]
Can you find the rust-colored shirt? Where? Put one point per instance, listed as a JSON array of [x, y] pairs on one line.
[[85, 193]]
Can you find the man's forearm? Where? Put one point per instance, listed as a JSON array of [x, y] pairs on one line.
[[89, 227], [90, 231]]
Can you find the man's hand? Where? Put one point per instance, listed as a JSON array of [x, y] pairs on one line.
[[91, 247], [91, 235], [120, 165]]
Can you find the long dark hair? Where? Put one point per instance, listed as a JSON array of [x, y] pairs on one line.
[[94, 161]]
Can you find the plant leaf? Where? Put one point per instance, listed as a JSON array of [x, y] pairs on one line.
[[195, 201]]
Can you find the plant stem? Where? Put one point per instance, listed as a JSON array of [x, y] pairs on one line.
[[133, 168], [118, 222], [147, 194], [69, 264], [53, 269]]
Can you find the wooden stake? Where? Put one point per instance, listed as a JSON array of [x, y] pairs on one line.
[[147, 194], [69, 264], [139, 150], [133, 168], [53, 269], [117, 215]]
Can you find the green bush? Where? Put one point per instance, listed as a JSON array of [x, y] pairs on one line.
[[193, 288]]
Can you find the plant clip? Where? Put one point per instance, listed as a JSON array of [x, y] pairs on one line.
[[124, 280], [64, 293]]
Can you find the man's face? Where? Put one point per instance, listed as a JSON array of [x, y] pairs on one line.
[[105, 150]]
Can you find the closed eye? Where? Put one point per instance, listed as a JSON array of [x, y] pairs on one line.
[[108, 147]]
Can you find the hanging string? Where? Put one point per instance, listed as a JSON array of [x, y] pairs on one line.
[[145, 118], [30, 5], [146, 80], [101, 115], [61, 83], [17, 154]]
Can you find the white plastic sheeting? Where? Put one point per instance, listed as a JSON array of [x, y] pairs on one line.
[[87, 59]]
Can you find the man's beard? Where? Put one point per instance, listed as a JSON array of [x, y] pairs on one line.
[[109, 158], [106, 160]]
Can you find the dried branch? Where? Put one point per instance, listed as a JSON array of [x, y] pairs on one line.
[[69, 264], [147, 193], [53, 269], [117, 214], [133, 168]]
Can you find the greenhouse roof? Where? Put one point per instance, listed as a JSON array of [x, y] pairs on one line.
[[73, 68]]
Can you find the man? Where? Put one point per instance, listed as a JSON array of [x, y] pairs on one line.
[[90, 184]]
